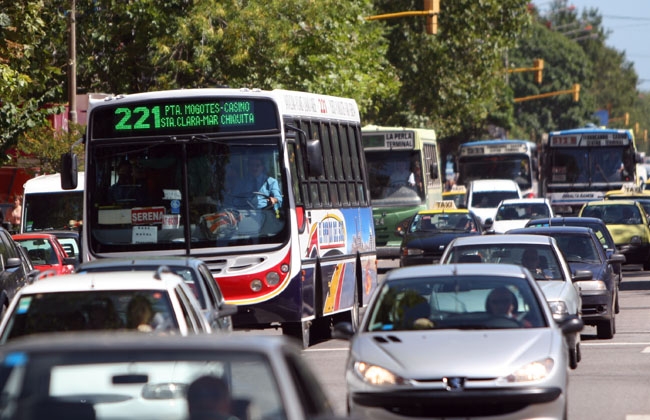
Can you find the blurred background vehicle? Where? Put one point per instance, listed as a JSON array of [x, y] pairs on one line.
[[431, 230], [628, 223], [46, 252], [515, 213], [485, 195]]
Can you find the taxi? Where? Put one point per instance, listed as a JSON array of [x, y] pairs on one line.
[[627, 221], [430, 231], [457, 194], [631, 192]]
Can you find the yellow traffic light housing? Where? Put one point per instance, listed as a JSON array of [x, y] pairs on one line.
[[433, 8], [627, 118], [538, 65], [576, 92]]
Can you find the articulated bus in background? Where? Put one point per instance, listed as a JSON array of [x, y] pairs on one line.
[[500, 159], [581, 165], [399, 187], [297, 259], [47, 207]]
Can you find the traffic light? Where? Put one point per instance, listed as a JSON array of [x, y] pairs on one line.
[[433, 7], [538, 64], [576, 92], [627, 118]]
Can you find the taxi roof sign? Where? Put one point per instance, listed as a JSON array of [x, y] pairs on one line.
[[444, 205], [630, 187]]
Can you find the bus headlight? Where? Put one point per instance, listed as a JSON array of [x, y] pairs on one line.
[[272, 278], [256, 285]]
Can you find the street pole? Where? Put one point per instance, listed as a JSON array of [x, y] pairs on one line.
[[72, 67]]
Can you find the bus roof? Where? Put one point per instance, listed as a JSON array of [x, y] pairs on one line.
[[496, 142], [583, 130], [425, 132], [49, 184], [289, 102]]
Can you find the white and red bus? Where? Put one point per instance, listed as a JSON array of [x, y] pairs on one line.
[[299, 264]]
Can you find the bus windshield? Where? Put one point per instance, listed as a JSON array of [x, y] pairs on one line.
[[394, 178], [52, 210], [581, 165], [515, 167], [165, 194]]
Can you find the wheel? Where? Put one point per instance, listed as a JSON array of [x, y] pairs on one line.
[[617, 307], [308, 332], [578, 353], [605, 329]]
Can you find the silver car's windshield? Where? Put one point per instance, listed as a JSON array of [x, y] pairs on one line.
[[546, 267], [456, 302]]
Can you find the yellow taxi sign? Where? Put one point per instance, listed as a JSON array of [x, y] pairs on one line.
[[444, 205], [630, 187]]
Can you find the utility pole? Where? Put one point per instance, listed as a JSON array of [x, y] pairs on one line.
[[72, 66]]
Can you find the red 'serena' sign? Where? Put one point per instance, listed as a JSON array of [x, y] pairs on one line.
[[147, 215]]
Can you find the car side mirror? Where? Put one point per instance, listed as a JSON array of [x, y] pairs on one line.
[[581, 275], [616, 259], [569, 324]]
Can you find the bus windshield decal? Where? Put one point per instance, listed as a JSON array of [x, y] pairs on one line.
[[187, 115]]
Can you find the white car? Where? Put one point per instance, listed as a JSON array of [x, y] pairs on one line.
[[485, 195], [148, 301], [515, 213], [555, 279]]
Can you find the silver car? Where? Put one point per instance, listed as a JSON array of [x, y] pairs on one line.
[[433, 343], [554, 276], [121, 375]]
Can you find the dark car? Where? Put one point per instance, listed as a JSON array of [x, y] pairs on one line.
[[597, 225], [430, 231], [16, 269], [193, 270], [582, 250]]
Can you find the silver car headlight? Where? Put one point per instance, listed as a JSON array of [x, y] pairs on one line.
[[531, 372], [558, 307], [592, 285], [377, 375]]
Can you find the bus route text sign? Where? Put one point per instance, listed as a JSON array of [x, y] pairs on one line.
[[389, 140], [175, 116], [186, 115]]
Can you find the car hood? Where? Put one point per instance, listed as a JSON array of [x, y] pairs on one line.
[[623, 234], [463, 353], [554, 289], [427, 240], [502, 226]]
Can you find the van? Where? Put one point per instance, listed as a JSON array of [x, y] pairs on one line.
[[484, 196]]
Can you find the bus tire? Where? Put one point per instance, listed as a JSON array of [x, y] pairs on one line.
[[309, 332]]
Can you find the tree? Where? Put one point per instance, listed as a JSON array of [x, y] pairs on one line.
[[28, 77], [452, 82]]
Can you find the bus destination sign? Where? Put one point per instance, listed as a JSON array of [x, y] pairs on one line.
[[389, 140], [183, 115], [590, 140]]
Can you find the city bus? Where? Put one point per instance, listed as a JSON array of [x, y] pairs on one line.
[[582, 164], [404, 178], [299, 258], [500, 159], [47, 207]]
